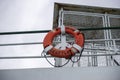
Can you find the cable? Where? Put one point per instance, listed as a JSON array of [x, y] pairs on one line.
[[115, 61], [78, 58], [75, 61], [44, 54]]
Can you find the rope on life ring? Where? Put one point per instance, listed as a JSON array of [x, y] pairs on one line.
[[69, 51]]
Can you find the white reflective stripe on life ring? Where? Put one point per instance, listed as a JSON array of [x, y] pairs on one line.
[[76, 30], [48, 48], [77, 47]]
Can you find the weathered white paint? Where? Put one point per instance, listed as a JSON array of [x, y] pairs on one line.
[[93, 73]]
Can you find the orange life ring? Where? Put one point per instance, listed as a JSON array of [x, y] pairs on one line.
[[68, 52]]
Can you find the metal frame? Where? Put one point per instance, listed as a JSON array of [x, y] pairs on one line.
[[86, 49], [107, 35]]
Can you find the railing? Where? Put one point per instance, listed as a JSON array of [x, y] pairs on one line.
[[86, 49]]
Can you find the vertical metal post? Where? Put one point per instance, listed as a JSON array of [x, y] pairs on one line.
[[95, 57], [79, 63], [89, 64], [92, 57], [105, 36], [58, 61], [114, 50], [110, 37]]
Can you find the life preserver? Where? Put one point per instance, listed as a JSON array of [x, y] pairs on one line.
[[68, 52]]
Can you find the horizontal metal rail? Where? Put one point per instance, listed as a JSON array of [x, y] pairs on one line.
[[28, 57], [24, 32], [45, 31], [34, 43], [98, 28], [18, 44]]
